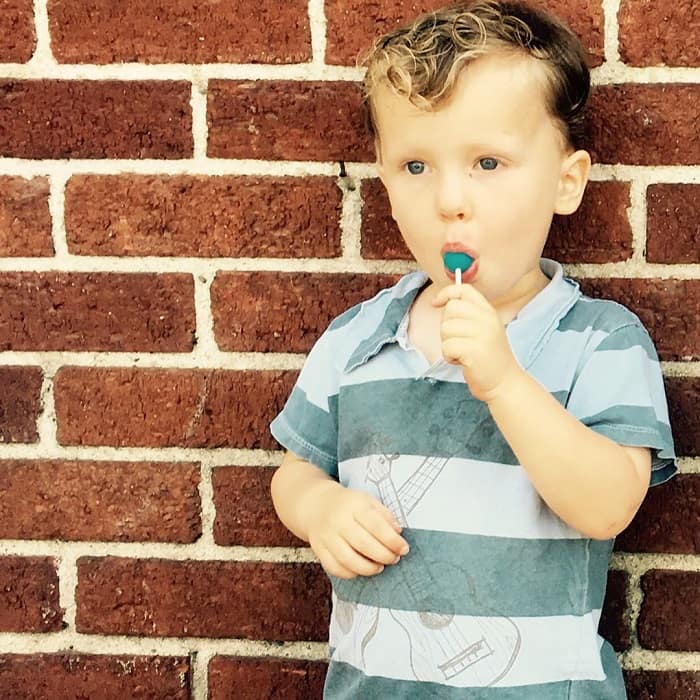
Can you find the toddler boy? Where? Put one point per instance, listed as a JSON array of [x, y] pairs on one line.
[[462, 452]]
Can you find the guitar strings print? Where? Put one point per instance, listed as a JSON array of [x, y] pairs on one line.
[[442, 646]]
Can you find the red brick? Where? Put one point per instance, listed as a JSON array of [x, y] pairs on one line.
[[79, 676], [180, 31], [202, 216], [244, 512], [666, 620], [25, 221], [598, 232], [684, 407], [287, 120], [613, 625], [352, 26], [29, 595], [20, 403], [659, 33], [668, 521], [108, 501], [97, 311], [126, 407], [17, 38], [670, 310], [645, 124], [156, 597], [662, 685], [283, 312], [381, 239], [95, 119], [673, 212], [270, 678]]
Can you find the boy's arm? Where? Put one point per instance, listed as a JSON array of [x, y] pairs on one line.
[[350, 531], [588, 480]]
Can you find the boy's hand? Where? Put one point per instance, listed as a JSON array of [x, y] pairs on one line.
[[351, 532], [473, 336]]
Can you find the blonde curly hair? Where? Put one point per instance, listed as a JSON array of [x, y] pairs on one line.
[[423, 61]]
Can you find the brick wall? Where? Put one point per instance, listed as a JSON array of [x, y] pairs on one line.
[[175, 231]]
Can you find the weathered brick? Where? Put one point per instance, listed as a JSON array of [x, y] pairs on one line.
[[286, 120], [126, 407], [95, 119], [202, 216], [353, 25], [25, 221], [662, 685], [684, 408], [244, 512], [108, 501], [668, 521], [655, 33], [97, 311], [283, 312], [20, 403], [666, 620], [78, 676], [270, 678], [179, 31], [613, 625], [598, 232], [29, 595], [17, 38], [645, 124], [673, 234], [156, 597], [670, 310]]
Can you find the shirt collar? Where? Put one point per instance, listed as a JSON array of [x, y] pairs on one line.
[[528, 332]]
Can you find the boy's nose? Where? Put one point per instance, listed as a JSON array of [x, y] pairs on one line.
[[452, 199]]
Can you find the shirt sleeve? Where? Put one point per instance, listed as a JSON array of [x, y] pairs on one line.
[[308, 423], [619, 392]]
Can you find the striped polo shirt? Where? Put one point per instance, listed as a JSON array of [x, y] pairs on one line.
[[498, 597]]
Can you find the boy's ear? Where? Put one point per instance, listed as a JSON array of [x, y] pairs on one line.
[[572, 183]]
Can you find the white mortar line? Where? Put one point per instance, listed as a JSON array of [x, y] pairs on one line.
[[640, 563], [52, 361], [199, 661], [317, 23], [57, 202], [207, 509], [43, 58], [206, 350], [637, 216], [197, 551], [46, 421], [611, 9], [94, 644], [200, 129], [68, 583], [351, 219]]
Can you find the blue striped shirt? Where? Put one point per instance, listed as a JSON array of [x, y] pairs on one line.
[[498, 597]]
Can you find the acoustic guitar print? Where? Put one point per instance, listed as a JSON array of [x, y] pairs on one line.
[[442, 646]]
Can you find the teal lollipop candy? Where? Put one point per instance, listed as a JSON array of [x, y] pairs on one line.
[[457, 263]]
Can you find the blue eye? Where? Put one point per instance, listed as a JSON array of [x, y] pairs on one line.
[[488, 163], [415, 167]]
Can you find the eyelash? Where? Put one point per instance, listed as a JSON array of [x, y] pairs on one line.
[[480, 161]]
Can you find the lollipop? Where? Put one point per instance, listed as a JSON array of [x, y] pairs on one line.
[[457, 262]]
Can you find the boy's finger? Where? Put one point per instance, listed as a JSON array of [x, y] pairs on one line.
[[370, 547], [378, 524], [353, 561]]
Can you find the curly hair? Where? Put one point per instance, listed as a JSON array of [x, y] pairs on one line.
[[423, 61]]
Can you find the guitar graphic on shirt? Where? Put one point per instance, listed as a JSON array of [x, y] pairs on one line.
[[442, 645]]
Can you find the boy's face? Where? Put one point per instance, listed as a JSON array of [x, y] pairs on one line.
[[483, 173]]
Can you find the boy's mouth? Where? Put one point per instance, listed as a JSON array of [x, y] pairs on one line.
[[457, 257]]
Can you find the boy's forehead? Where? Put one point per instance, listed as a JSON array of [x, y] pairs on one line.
[[494, 93]]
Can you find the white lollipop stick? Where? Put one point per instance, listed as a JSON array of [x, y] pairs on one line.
[[458, 276]]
